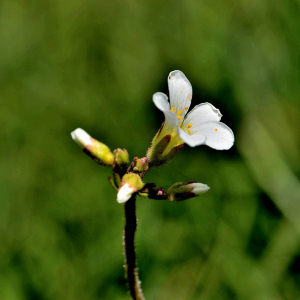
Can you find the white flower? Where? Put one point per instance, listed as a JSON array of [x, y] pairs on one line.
[[201, 126], [82, 138], [125, 192]]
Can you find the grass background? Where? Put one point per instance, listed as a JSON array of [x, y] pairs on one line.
[[95, 64]]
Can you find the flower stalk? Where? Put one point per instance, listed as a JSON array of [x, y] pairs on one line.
[[131, 270]]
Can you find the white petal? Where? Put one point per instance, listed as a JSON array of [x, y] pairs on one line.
[[192, 140], [124, 193], [180, 91], [204, 112], [216, 135], [81, 137], [171, 122], [199, 188], [161, 101]]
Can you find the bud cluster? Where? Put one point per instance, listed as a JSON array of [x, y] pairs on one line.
[[127, 177]]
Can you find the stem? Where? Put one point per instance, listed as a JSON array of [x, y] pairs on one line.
[[129, 250]]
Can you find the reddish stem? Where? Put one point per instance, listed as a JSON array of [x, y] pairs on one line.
[[129, 250]]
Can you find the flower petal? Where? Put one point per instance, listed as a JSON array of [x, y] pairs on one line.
[[124, 193], [171, 122], [82, 138], [204, 112], [161, 101], [180, 91], [199, 188], [216, 135], [192, 140]]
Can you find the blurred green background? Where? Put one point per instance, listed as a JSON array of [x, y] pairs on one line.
[[96, 64]]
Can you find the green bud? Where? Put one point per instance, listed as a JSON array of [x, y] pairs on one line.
[[185, 190], [141, 165], [120, 165], [99, 152], [121, 157]]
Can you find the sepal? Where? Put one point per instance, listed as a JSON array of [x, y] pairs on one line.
[[157, 155]]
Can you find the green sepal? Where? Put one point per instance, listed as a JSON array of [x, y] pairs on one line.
[[155, 152], [100, 153]]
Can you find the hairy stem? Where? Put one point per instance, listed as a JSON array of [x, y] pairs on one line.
[[129, 250]]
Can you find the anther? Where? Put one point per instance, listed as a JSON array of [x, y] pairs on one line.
[[173, 108], [189, 130], [180, 112], [216, 129], [186, 108], [190, 125], [179, 117]]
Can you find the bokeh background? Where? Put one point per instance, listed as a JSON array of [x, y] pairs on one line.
[[95, 64]]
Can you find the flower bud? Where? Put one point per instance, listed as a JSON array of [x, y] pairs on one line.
[[121, 157], [185, 190], [97, 151], [141, 165], [130, 184]]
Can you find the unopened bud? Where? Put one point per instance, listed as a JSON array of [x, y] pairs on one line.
[[141, 165], [185, 190], [121, 157], [96, 150], [131, 183]]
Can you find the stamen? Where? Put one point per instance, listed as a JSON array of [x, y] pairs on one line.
[[179, 117], [189, 130], [190, 125], [216, 129], [173, 108], [180, 112], [186, 108]]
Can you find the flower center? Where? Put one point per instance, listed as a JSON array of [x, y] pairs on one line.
[[187, 128]]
